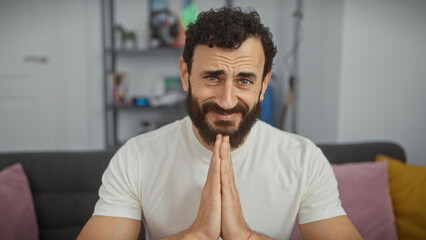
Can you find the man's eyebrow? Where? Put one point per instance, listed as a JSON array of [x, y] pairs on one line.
[[247, 75], [213, 72], [222, 72]]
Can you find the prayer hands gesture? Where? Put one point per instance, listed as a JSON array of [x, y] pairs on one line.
[[220, 213]]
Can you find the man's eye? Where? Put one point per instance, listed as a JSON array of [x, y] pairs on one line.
[[245, 82], [211, 79]]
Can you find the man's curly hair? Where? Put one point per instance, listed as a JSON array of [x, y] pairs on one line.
[[228, 28]]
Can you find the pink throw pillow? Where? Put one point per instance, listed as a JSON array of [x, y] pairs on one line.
[[364, 192], [17, 216]]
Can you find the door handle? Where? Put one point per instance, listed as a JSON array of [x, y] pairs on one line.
[[37, 59]]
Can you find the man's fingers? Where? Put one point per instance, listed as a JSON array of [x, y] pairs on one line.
[[226, 170], [213, 176], [208, 222], [233, 224], [216, 149], [225, 156]]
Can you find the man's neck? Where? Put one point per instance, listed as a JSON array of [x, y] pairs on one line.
[[210, 147]]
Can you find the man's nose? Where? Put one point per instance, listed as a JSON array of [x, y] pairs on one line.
[[226, 96]]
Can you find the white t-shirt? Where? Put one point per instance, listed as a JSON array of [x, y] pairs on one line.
[[157, 177]]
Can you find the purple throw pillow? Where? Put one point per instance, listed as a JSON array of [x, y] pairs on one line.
[[364, 192], [17, 216]]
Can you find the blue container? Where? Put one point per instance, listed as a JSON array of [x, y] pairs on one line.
[[267, 114]]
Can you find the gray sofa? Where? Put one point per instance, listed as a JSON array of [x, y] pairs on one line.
[[65, 184]]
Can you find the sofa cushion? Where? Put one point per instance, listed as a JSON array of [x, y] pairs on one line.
[[365, 196], [364, 192], [408, 191], [17, 218]]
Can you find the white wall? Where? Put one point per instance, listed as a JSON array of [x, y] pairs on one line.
[[318, 99], [363, 72], [383, 80]]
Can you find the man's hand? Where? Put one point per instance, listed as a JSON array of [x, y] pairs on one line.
[[233, 223], [220, 213], [208, 222]]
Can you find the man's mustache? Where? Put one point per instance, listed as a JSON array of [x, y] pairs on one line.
[[214, 107]]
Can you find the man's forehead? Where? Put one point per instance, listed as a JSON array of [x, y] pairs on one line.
[[249, 54]]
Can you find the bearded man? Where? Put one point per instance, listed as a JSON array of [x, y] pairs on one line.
[[220, 173]]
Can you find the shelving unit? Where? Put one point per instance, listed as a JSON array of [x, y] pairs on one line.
[[110, 57]]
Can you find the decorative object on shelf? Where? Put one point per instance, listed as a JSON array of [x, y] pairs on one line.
[[141, 101], [120, 88], [168, 23], [188, 15], [167, 93], [172, 84], [125, 36], [163, 26], [172, 99]]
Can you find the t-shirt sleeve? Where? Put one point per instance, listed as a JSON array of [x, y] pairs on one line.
[[320, 199], [118, 195]]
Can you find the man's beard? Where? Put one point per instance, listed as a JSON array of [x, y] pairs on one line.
[[236, 132]]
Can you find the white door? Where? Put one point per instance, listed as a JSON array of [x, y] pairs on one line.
[[30, 112]]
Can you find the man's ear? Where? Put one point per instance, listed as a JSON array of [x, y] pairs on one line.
[[265, 84], [184, 74]]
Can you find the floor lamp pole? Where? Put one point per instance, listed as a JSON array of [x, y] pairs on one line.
[[294, 73]]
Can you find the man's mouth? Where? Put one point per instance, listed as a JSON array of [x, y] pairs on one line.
[[225, 117]]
